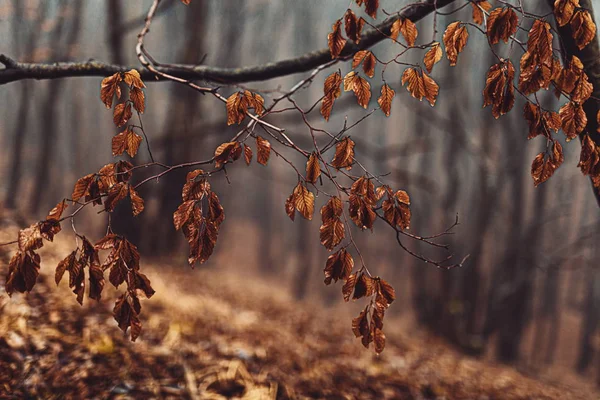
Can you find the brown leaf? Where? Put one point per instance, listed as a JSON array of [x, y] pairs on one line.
[[335, 40], [360, 87], [332, 233], [116, 193], [344, 154], [137, 98], [368, 61], [263, 149], [573, 120], [290, 206], [477, 12], [371, 7], [583, 27], [81, 187], [433, 56], [247, 154], [365, 286], [133, 79], [420, 85], [501, 25], [216, 213], [225, 152], [235, 114], [304, 201], [360, 324], [137, 203], [96, 276], [332, 209], [499, 90], [23, 270], [126, 313], [313, 169], [379, 340], [407, 28], [56, 212], [339, 265], [455, 39], [109, 88], [385, 99], [255, 101], [564, 10], [66, 264], [183, 213], [126, 141], [353, 26], [122, 114], [331, 91], [361, 212], [543, 168], [387, 291], [348, 287], [30, 238]]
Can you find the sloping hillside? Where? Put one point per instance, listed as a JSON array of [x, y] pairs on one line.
[[213, 337]]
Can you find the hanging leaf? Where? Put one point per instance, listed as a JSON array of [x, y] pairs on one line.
[[126, 141], [109, 88], [360, 87], [433, 56], [304, 201], [477, 10], [407, 28], [247, 154], [339, 265], [502, 24], [583, 27], [455, 39], [385, 99], [122, 114], [564, 10], [263, 148], [420, 85], [335, 40], [313, 169], [353, 26], [344, 154], [368, 61]]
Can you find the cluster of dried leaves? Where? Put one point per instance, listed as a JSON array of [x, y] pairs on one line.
[[200, 214]]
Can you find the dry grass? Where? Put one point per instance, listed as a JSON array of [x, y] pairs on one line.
[[206, 337]]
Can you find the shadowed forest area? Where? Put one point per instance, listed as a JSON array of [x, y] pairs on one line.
[[519, 318]]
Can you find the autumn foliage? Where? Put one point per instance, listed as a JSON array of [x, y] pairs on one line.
[[357, 197]]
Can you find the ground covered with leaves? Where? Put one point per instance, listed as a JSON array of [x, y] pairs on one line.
[[206, 336]]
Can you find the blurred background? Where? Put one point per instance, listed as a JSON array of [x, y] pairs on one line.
[[530, 292]]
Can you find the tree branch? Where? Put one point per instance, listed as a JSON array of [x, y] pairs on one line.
[[15, 71]]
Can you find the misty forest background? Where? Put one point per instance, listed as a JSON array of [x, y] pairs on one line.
[[530, 291]]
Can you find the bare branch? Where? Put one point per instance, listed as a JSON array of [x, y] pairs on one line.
[[15, 71]]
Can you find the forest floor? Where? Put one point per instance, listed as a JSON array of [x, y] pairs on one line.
[[209, 336]]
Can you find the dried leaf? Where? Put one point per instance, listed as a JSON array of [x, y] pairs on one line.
[[263, 148], [304, 201], [56, 212], [502, 24], [339, 265], [137, 203], [313, 169], [407, 28], [122, 114], [137, 98], [477, 12], [583, 27], [109, 88], [433, 56], [455, 39], [335, 40], [353, 26], [247, 154], [564, 10], [290, 206], [371, 7], [385, 99], [344, 154]]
